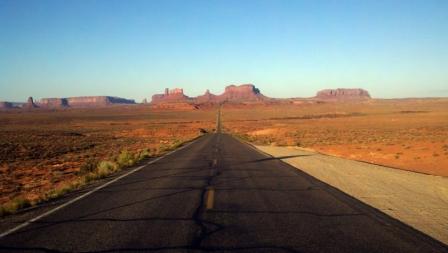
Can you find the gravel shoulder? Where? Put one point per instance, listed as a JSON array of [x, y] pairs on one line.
[[419, 200]]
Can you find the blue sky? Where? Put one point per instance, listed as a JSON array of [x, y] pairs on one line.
[[134, 49]]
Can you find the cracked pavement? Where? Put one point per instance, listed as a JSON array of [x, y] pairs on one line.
[[260, 204]]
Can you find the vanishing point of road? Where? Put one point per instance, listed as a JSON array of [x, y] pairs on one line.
[[216, 194]]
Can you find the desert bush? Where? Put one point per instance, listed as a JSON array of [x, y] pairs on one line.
[[102, 172], [106, 168], [89, 165], [59, 191], [144, 154], [14, 205], [176, 143], [125, 158], [89, 177], [162, 148], [46, 146]]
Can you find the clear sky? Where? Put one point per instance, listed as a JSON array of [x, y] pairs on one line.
[[134, 49]]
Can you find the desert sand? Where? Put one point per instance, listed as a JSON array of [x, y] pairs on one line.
[[409, 134], [43, 150]]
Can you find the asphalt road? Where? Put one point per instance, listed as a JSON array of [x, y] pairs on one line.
[[218, 195]]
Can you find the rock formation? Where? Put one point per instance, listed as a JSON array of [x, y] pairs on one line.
[[174, 95], [97, 101], [53, 103], [92, 101], [56, 103], [342, 94], [207, 97], [6, 105], [249, 94], [237, 94], [29, 104], [242, 93]]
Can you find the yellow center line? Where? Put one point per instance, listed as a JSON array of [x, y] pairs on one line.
[[210, 197]]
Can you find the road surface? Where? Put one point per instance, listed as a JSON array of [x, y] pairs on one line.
[[416, 199], [217, 195]]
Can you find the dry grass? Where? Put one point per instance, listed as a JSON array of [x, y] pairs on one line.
[[44, 154]]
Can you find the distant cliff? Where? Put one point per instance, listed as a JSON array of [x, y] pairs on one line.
[[248, 93], [240, 94], [6, 105], [76, 102], [29, 104], [175, 98], [174, 95], [89, 101], [53, 103], [97, 101], [343, 94]]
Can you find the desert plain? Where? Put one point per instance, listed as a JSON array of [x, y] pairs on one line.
[[407, 134], [44, 150]]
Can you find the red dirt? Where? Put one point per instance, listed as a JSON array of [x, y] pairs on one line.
[[40, 150], [410, 134]]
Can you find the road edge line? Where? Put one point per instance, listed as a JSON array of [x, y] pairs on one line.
[[378, 214], [45, 214]]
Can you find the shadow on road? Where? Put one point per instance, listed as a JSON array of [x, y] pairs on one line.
[[277, 158]]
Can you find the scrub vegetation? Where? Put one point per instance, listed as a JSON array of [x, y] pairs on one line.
[[410, 134], [45, 154]]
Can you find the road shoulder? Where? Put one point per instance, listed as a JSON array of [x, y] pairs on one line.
[[418, 200], [11, 223]]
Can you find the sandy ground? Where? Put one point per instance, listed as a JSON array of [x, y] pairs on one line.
[[410, 134], [43, 150], [418, 200]]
